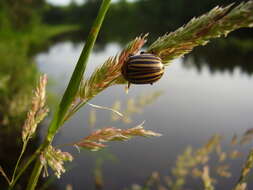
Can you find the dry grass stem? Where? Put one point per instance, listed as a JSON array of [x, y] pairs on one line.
[[106, 108], [4, 175]]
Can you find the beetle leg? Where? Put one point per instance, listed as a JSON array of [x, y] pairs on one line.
[[127, 87]]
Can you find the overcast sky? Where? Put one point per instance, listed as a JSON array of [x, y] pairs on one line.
[[63, 2], [66, 2]]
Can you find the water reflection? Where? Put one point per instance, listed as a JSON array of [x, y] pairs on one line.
[[194, 106], [226, 57]]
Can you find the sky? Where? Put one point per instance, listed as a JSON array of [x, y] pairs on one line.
[[66, 2], [62, 2]]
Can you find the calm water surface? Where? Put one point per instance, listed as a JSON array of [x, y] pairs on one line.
[[194, 106]]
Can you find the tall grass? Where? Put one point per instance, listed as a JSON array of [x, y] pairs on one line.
[[208, 165], [216, 23]]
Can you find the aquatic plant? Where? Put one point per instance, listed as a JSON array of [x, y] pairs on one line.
[[218, 22]]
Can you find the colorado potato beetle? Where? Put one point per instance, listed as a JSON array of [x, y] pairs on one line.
[[145, 68]]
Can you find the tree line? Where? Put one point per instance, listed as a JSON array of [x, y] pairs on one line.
[[129, 19], [125, 18]]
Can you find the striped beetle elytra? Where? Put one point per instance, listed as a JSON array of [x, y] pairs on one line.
[[145, 68]]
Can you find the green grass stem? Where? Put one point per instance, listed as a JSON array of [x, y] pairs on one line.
[[77, 75], [71, 91]]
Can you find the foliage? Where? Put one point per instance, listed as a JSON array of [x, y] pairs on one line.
[[21, 14], [17, 80], [142, 16], [18, 75]]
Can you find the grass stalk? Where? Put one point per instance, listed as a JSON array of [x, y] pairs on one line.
[[17, 164], [23, 168], [71, 91], [77, 75], [35, 175]]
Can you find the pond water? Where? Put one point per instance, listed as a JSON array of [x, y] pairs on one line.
[[194, 105]]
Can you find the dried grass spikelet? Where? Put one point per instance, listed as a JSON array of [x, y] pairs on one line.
[[196, 172], [90, 145], [154, 181], [131, 108], [241, 186], [207, 180], [219, 21], [149, 98], [69, 187], [247, 137], [106, 75], [38, 110], [188, 162], [94, 141], [134, 106], [235, 154], [136, 187], [110, 72], [221, 155], [202, 154], [223, 171], [54, 158], [247, 167], [234, 140]]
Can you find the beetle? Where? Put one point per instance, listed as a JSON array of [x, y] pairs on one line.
[[145, 68]]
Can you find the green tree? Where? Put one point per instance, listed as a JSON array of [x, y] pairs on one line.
[[22, 13]]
